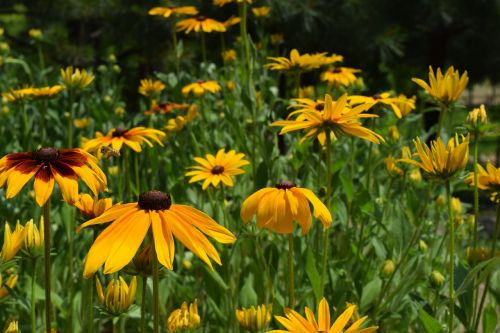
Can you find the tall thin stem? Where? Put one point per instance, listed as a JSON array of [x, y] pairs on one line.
[[70, 118], [291, 275], [136, 171], [451, 225], [143, 303], [326, 242], [48, 275], [203, 47], [156, 290], [33, 298], [442, 115], [476, 215], [177, 60]]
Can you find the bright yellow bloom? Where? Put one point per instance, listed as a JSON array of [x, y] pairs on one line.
[[116, 137], [298, 62], [171, 10], [165, 107], [76, 78], [35, 33], [295, 323], [277, 207], [201, 87], [200, 24], [276, 39], [219, 168], [49, 165], [405, 104], [46, 92], [92, 207], [233, 20], [340, 76], [17, 95], [229, 56], [487, 180], [224, 2], [390, 164], [185, 318], [304, 105], [13, 327], [82, 123], [12, 241], [117, 244], [11, 283], [306, 92], [440, 161], [150, 87], [119, 296], [383, 98], [33, 238], [254, 319], [336, 119], [261, 11], [178, 123], [477, 116], [445, 88]]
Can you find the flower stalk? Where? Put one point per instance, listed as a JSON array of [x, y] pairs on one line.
[[291, 275], [451, 226], [48, 275]]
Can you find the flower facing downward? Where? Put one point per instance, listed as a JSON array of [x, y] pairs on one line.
[[276, 208], [295, 323], [340, 76], [201, 87], [12, 241], [214, 169], [117, 244], [49, 165], [186, 317], [171, 10], [92, 207], [261, 11], [487, 180], [385, 99], [76, 78], [445, 88], [301, 62], [254, 319], [200, 24], [119, 296]]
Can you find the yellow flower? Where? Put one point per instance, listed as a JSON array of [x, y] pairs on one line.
[[229, 56], [295, 323], [116, 245], [487, 180], [224, 2], [33, 238], [254, 319], [35, 33], [230, 85], [445, 88], [12, 241], [440, 161], [17, 95], [477, 116], [11, 283], [81, 123], [201, 87], [394, 133], [383, 98], [219, 168], [415, 175], [276, 39], [340, 76], [46, 92], [306, 92], [171, 10], [298, 62], [390, 164], [165, 107], [92, 207], [278, 207], [481, 254], [113, 170], [233, 20], [76, 78], [178, 123], [261, 11], [186, 317], [119, 296], [388, 268], [149, 87], [336, 119], [200, 23], [13, 327], [437, 279], [405, 104]]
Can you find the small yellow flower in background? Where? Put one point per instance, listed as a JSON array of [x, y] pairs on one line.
[[388, 268], [185, 318], [219, 168], [92, 207], [224, 2], [300, 62], [113, 170], [178, 123], [82, 123], [4, 46], [277, 207], [233, 20], [119, 296], [120, 111], [390, 164], [276, 39], [415, 175], [261, 11], [340, 76], [35, 33], [477, 116], [405, 104], [437, 279], [11, 283], [12, 241], [5, 109], [456, 206], [294, 322], [16, 95], [306, 92], [150, 87], [440, 161], [13, 327], [200, 24], [76, 78], [46, 92], [394, 133], [254, 319], [229, 56], [480, 254], [2, 31], [201, 87], [487, 180], [230, 85], [441, 200], [33, 238], [445, 88], [171, 10], [165, 107], [383, 98], [422, 245]]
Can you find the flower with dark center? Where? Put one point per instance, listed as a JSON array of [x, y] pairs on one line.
[[340, 76], [49, 165], [168, 11], [219, 168], [119, 131], [320, 107], [116, 246], [285, 185], [200, 24], [201, 87]]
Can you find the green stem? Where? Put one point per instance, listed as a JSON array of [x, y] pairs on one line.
[[136, 170], [291, 286], [476, 217], [43, 115], [326, 242], [70, 118], [203, 47], [70, 285], [177, 60], [452, 258], [260, 253], [48, 278], [442, 115], [33, 298], [41, 60], [143, 303], [244, 33], [156, 290]]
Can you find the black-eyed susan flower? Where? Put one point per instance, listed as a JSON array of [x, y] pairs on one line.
[[12, 241], [276, 39], [340, 76], [45, 92], [440, 161], [117, 137], [11, 283], [17, 95], [46, 165], [384, 99], [117, 244], [336, 119], [149, 87], [261, 11], [277, 207], [200, 24], [487, 180], [216, 169], [294, 322], [225, 2], [233, 20], [118, 296], [92, 207], [184, 318], [405, 104], [178, 123], [229, 56], [165, 107], [254, 319], [173, 10], [201, 87], [300, 62], [306, 104], [82, 123], [445, 88], [76, 78], [33, 238]]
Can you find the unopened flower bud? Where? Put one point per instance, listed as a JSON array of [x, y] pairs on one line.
[[394, 133], [437, 279], [422, 245], [388, 268]]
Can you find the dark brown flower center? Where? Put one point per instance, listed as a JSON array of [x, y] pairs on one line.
[[377, 96], [217, 170], [46, 155], [320, 106], [201, 18], [120, 131], [154, 200], [337, 70], [285, 185]]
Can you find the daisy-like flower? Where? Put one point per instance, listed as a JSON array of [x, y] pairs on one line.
[[233, 20], [254, 319], [219, 168], [172, 10], [46, 92], [116, 137], [340, 76], [383, 98], [82, 123], [229, 56], [185, 318], [487, 180], [178, 123], [76, 78], [201, 87], [17, 95], [405, 104], [92, 207], [11, 283], [200, 24], [295, 323], [336, 119], [277, 207], [117, 244], [445, 88], [298, 62], [118, 295], [165, 107], [391, 166], [261, 11], [47, 165], [304, 105], [440, 161], [225, 2], [150, 87], [12, 241]]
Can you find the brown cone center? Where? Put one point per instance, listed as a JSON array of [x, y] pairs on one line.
[[337, 70], [285, 185], [154, 200], [120, 131], [201, 18], [377, 96], [320, 106], [46, 155], [217, 170]]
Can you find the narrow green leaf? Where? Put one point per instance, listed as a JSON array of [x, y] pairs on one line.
[[431, 324], [312, 273]]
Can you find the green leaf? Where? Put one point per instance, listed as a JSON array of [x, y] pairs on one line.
[[346, 186], [431, 324], [489, 319], [248, 296], [370, 292], [312, 273], [482, 270], [217, 278]]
